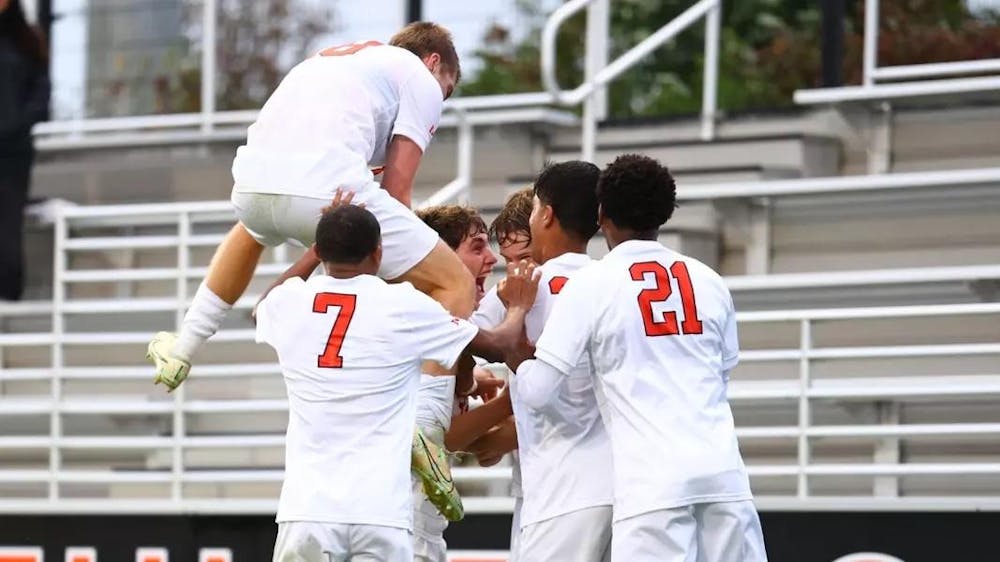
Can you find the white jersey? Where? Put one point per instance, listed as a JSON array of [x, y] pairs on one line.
[[564, 448], [491, 310], [490, 314], [332, 117], [350, 353], [660, 329]]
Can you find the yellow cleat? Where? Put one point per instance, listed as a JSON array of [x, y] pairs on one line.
[[429, 461]]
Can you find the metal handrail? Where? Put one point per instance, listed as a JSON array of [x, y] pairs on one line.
[[710, 9], [909, 78]]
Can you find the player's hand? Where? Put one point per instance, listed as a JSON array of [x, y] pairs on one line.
[[488, 385], [341, 198], [495, 443], [488, 459], [519, 288]]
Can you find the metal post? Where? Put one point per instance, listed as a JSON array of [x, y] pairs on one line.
[[58, 328], [832, 31], [871, 42], [805, 335], [887, 450], [758, 252], [208, 65], [465, 140], [598, 35], [414, 10], [179, 428], [709, 91]]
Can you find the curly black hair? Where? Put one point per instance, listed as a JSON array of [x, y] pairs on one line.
[[637, 192], [570, 189]]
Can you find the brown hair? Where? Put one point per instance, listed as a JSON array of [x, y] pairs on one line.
[[513, 218], [423, 38], [453, 223]]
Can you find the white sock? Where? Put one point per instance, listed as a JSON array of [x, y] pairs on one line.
[[201, 321]]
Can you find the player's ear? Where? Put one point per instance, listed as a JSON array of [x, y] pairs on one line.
[[377, 254], [548, 215], [432, 61]]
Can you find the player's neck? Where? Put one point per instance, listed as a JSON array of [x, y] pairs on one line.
[[347, 271], [620, 236], [562, 244]]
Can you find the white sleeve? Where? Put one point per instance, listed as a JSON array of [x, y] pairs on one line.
[[537, 383], [435, 334], [730, 340], [569, 327], [267, 315], [420, 103], [490, 312]]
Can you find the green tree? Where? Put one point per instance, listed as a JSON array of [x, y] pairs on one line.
[[257, 43], [769, 48]]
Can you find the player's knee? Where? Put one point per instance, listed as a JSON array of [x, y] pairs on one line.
[[458, 293]]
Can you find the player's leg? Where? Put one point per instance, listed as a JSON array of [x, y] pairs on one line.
[[666, 535], [413, 252], [377, 543], [729, 532], [434, 408], [264, 220], [301, 541], [443, 276], [580, 536]]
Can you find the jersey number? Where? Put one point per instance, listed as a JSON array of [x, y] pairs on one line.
[[557, 283], [348, 49], [660, 293], [331, 358]]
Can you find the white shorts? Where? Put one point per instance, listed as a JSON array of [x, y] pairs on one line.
[[308, 541], [579, 536], [427, 549], [707, 532], [274, 219]]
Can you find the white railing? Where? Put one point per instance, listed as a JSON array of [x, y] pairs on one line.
[[911, 80], [463, 113], [181, 228]]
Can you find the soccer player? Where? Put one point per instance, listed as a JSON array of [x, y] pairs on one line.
[[511, 233], [350, 347], [661, 331], [331, 118], [464, 230], [564, 449]]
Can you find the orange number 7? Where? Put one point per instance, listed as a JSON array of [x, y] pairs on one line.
[[331, 358]]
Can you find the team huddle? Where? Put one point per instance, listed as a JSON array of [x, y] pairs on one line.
[[615, 406]]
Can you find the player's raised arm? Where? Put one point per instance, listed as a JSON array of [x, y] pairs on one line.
[[519, 292], [402, 161]]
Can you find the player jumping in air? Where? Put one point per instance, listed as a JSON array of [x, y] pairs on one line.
[[333, 117]]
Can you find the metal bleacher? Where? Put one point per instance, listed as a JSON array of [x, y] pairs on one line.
[[869, 321]]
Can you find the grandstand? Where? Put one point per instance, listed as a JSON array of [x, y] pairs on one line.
[[859, 234]]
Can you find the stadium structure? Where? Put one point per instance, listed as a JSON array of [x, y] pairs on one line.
[[858, 232]]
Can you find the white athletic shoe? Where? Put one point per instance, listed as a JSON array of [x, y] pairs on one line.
[[170, 370]]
